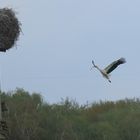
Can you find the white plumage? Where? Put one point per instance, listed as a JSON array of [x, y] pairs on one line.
[[105, 72]]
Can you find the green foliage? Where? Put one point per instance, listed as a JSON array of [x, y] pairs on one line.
[[30, 118]]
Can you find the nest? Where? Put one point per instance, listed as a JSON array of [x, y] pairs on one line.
[[9, 29]]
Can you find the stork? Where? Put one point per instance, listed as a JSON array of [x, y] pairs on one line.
[[106, 72]]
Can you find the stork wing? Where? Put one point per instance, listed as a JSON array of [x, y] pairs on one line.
[[114, 65]]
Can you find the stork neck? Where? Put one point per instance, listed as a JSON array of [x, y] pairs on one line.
[[98, 68]]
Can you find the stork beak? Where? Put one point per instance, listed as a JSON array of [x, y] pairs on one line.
[[94, 66], [93, 63]]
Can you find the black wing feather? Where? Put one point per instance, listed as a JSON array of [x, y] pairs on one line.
[[114, 65]]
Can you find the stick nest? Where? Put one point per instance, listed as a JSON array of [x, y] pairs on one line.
[[9, 29]]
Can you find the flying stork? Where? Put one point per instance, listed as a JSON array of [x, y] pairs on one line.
[[105, 72]]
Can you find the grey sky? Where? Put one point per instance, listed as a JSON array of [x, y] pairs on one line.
[[61, 37]]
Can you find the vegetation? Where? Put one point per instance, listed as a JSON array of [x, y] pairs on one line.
[[30, 118]]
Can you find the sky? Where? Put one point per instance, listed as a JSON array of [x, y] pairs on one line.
[[59, 40]]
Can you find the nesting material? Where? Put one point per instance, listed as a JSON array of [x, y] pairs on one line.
[[9, 29]]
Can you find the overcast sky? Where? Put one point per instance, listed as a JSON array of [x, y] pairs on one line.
[[59, 40]]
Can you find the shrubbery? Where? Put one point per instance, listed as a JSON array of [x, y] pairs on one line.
[[30, 118]]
